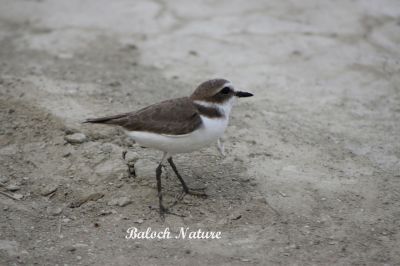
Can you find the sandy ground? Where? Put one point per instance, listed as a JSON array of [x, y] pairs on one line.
[[312, 172]]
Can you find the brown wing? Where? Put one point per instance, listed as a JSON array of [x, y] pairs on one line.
[[176, 117]]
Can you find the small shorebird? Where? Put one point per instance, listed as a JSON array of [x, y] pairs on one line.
[[180, 125]]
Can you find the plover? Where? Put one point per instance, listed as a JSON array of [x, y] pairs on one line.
[[180, 125]]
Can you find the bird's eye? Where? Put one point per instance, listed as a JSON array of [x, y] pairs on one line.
[[225, 90]]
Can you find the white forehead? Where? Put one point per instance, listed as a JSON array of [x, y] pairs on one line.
[[229, 85]]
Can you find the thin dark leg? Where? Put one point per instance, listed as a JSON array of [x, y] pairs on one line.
[[159, 189], [186, 189], [163, 210]]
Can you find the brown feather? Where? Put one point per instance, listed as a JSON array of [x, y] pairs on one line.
[[176, 117]]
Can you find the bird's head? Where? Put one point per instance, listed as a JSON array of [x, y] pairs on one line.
[[217, 92]]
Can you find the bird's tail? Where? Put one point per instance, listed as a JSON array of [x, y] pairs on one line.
[[113, 119]]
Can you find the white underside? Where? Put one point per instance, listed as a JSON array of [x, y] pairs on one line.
[[208, 133]]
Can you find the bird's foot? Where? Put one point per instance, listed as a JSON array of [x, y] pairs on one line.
[[164, 211], [198, 192], [221, 148]]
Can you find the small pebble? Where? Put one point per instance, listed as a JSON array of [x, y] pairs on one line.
[[132, 46], [54, 210], [114, 83], [105, 212], [76, 138], [70, 248], [131, 156], [80, 245], [139, 221], [13, 187], [122, 201], [4, 179], [235, 217], [47, 190], [18, 196]]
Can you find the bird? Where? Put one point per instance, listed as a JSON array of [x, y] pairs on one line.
[[180, 125]]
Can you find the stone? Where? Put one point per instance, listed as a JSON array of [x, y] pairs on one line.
[[145, 168], [48, 189], [80, 245], [76, 138], [13, 187], [70, 248], [139, 221], [112, 167], [131, 156], [9, 150], [54, 210], [18, 196], [235, 216], [4, 179], [115, 83], [105, 212], [85, 198], [121, 201]]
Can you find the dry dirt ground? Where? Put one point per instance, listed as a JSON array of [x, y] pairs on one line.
[[312, 172]]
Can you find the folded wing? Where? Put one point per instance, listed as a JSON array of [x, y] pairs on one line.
[[173, 117]]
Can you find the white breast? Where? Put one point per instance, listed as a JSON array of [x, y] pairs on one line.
[[208, 133]]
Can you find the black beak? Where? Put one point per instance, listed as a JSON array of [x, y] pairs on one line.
[[243, 94]]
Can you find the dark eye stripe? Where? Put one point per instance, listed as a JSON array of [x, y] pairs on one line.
[[225, 90]]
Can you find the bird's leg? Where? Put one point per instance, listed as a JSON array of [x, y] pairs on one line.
[[221, 147], [159, 188], [163, 210], [186, 189]]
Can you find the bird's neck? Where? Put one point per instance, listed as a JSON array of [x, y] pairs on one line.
[[215, 110]]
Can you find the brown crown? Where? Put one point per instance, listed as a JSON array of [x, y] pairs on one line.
[[208, 91]]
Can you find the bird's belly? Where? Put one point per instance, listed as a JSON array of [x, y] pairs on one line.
[[208, 133]]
